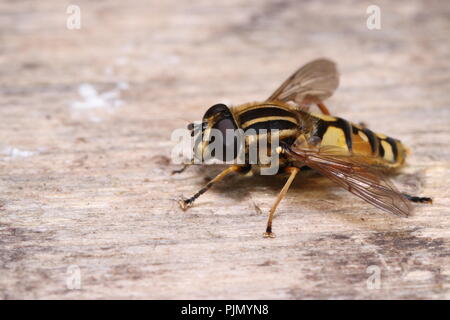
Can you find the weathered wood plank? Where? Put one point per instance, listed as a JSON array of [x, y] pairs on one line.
[[85, 179]]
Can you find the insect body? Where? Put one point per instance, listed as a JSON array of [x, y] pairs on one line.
[[349, 154], [294, 122]]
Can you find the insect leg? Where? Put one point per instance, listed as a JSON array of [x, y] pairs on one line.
[[323, 108], [186, 203], [180, 170], [319, 104], [293, 171], [418, 199]]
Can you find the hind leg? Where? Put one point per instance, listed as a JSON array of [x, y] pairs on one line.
[[318, 103], [323, 108], [418, 199]]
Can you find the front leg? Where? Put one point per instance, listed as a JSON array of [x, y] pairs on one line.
[[186, 203], [178, 171]]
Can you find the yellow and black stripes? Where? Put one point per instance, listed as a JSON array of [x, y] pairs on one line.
[[336, 132], [371, 138], [391, 149], [266, 116], [292, 121], [264, 112], [362, 141]]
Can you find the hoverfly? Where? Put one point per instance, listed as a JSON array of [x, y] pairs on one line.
[[349, 154]]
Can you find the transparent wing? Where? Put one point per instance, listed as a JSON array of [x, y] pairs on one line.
[[316, 80], [353, 174]]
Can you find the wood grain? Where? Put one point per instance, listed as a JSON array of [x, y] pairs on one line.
[[85, 175]]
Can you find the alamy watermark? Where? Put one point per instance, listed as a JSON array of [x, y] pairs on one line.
[[373, 282], [73, 277], [373, 21], [230, 146], [73, 21]]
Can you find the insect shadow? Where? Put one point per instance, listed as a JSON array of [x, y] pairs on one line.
[[240, 187]]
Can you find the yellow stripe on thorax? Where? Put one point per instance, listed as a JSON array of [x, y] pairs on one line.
[[263, 119]]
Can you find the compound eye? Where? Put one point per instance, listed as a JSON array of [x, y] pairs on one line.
[[224, 125], [231, 142], [223, 121], [215, 109]]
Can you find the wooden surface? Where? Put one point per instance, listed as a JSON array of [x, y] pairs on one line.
[[86, 118]]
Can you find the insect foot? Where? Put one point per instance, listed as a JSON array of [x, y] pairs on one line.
[[269, 235], [185, 203]]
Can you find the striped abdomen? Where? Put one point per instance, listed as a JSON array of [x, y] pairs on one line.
[[335, 131]]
